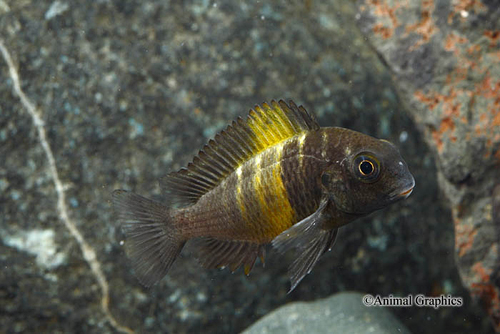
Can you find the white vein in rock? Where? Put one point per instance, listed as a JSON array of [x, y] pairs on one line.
[[88, 252]]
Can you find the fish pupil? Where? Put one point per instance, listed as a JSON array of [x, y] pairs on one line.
[[366, 167]]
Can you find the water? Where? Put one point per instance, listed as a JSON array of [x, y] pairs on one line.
[[127, 91]]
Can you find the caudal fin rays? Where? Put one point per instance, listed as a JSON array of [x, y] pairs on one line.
[[152, 242]]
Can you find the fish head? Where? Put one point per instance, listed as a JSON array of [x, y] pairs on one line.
[[371, 175]]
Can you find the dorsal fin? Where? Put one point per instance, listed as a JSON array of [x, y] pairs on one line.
[[264, 127]]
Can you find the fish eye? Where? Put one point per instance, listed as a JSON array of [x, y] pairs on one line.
[[366, 168]]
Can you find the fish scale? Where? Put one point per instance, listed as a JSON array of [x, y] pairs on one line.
[[275, 177], [255, 205]]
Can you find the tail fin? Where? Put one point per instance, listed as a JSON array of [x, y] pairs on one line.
[[152, 242]]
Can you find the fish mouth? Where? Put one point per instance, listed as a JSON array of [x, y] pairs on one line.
[[406, 193], [398, 194]]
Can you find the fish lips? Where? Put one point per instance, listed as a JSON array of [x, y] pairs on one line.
[[402, 192]]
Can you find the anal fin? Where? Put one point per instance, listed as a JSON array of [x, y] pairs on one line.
[[214, 253], [310, 239]]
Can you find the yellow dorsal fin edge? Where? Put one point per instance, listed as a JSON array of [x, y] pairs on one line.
[[265, 126]]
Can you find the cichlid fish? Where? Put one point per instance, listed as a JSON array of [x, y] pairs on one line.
[[275, 177]]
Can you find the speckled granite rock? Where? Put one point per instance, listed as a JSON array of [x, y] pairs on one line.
[[341, 313], [128, 91], [445, 58]]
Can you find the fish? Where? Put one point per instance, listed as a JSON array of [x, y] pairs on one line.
[[275, 177]]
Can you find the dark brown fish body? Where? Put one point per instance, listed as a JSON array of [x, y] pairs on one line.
[[276, 177], [271, 192], [265, 196]]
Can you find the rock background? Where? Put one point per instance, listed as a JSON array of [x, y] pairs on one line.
[[340, 313], [127, 91], [445, 57]]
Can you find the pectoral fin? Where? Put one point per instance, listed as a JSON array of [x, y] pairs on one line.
[[310, 239]]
